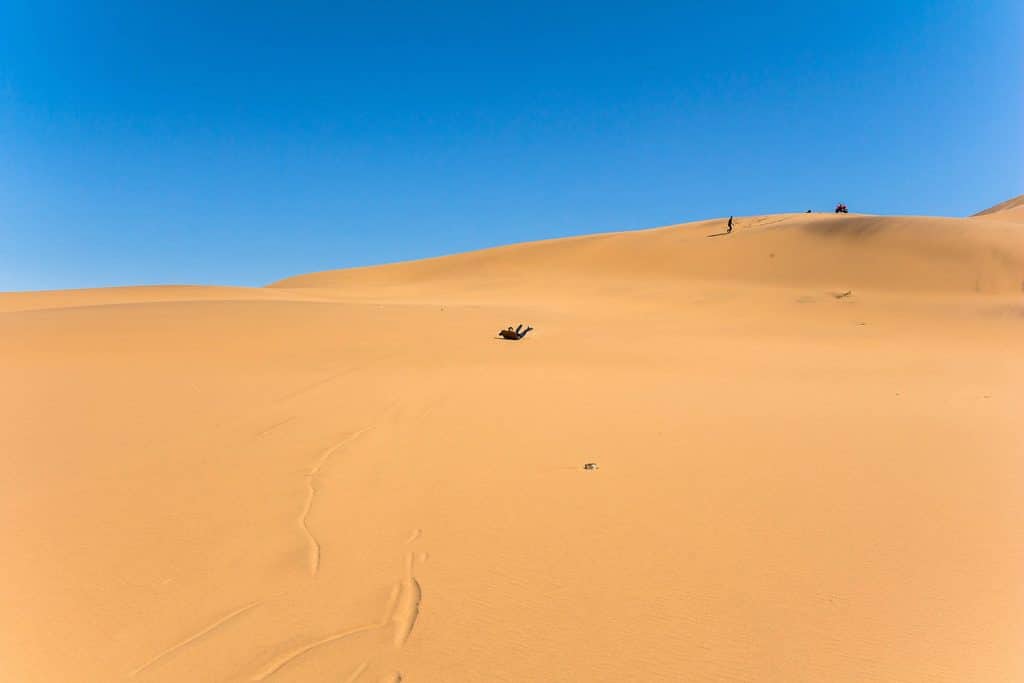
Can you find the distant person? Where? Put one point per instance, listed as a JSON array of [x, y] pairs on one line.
[[729, 229], [841, 208], [514, 334]]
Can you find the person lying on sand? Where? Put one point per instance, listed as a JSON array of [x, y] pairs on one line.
[[517, 333]]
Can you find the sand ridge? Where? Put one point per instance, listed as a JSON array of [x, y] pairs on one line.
[[1008, 205]]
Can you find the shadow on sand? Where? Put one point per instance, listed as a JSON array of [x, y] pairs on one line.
[[719, 234]]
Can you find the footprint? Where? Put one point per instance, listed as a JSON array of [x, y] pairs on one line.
[[408, 607], [359, 671]]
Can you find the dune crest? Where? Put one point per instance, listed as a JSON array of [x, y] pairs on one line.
[[1010, 211], [904, 253], [1008, 205]]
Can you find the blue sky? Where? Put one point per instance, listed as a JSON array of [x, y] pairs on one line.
[[238, 143]]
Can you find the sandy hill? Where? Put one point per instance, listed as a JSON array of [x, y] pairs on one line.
[[807, 436], [890, 254], [1009, 204], [1011, 210]]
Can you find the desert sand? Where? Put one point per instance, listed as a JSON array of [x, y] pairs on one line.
[[808, 434]]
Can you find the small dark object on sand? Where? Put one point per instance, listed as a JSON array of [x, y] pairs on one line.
[[843, 295], [514, 334], [841, 208], [590, 466]]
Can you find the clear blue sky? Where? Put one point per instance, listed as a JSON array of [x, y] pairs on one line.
[[238, 143]]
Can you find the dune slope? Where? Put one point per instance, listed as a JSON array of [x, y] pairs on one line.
[[888, 254], [1012, 211], [1008, 205], [807, 437]]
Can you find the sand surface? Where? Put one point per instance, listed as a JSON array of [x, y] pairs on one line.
[[808, 433]]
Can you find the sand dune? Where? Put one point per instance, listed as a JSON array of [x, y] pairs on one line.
[[1008, 205], [116, 296], [897, 254], [1010, 211], [807, 432]]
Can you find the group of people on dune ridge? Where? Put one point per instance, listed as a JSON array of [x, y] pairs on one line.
[[840, 208]]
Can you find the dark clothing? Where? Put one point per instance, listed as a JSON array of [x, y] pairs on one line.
[[729, 229], [515, 334]]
